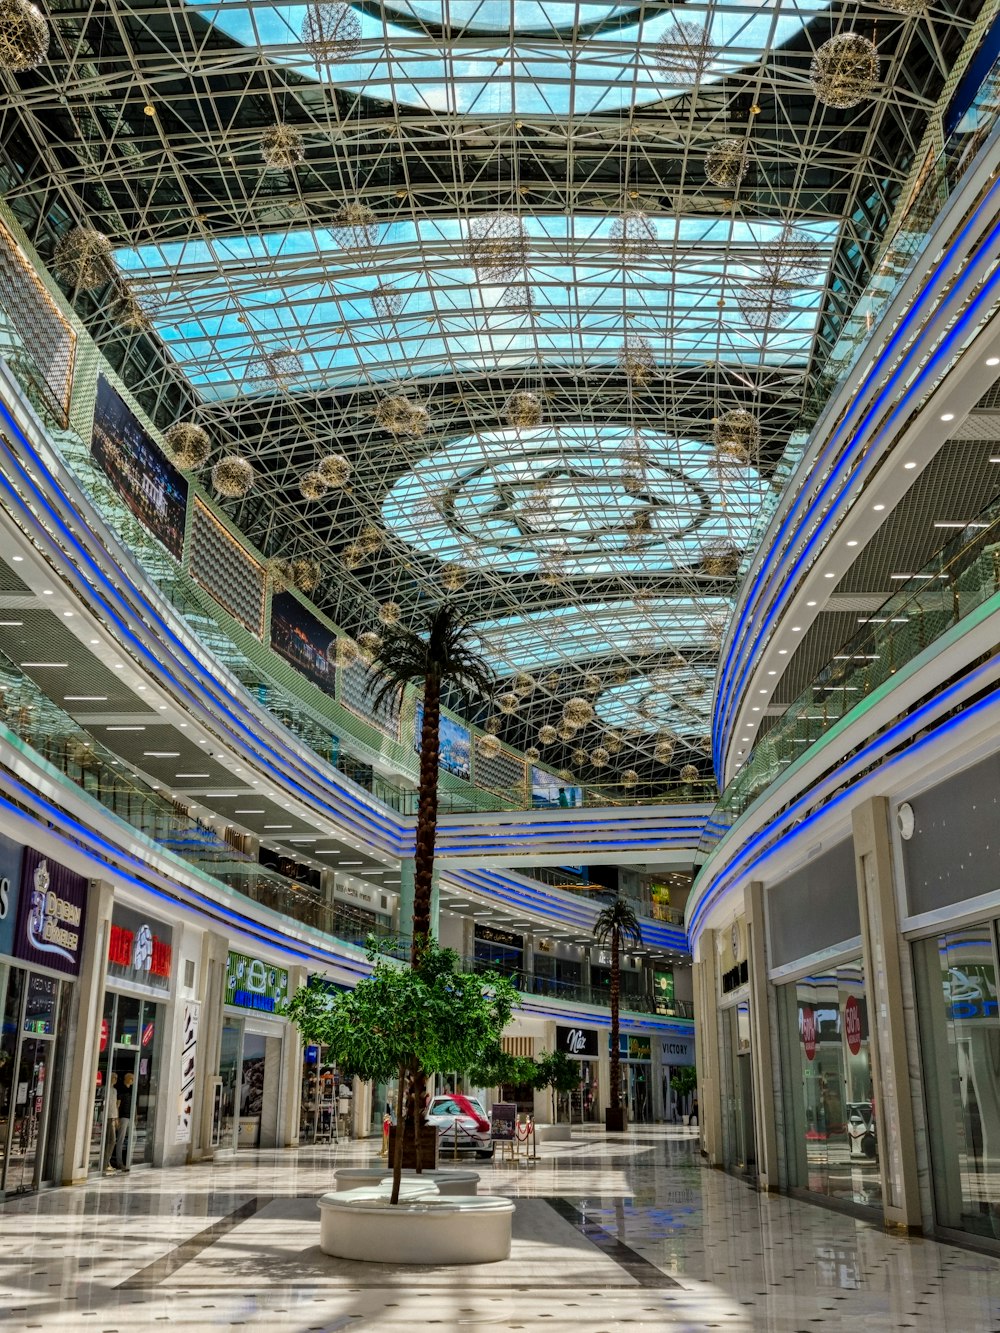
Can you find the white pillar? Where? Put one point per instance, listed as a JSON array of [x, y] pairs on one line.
[[761, 1061], [706, 1027], [88, 1008]]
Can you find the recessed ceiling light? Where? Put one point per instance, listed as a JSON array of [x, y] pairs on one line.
[[124, 728], [828, 575], [68, 615], [764, 691], [54, 666], [249, 812], [878, 508], [47, 592], [772, 673], [267, 826], [796, 629], [12, 623], [993, 360], [755, 708], [908, 466], [192, 775], [782, 652], [162, 754], [947, 416], [85, 698], [810, 603], [18, 558], [852, 543]]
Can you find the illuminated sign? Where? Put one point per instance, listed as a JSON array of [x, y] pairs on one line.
[[140, 949], [253, 984], [50, 914]]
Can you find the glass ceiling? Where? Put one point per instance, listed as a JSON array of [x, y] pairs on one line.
[[222, 305], [558, 75], [678, 701], [512, 500], [546, 637]]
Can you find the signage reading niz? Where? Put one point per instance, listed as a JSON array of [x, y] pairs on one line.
[[577, 1041]]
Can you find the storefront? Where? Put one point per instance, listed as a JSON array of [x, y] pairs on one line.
[[582, 1045], [637, 1077], [326, 1097], [133, 1024], [42, 917], [499, 949], [676, 1053], [247, 1108]]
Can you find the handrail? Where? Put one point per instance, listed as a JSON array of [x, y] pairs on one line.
[[957, 579]]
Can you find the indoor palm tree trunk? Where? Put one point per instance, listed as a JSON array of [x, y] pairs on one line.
[[616, 1077], [427, 810]]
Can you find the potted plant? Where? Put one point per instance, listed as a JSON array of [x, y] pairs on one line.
[[684, 1081], [561, 1076], [616, 924]]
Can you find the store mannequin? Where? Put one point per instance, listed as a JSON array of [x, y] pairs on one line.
[[126, 1108]]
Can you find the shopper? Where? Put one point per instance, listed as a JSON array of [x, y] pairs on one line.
[[111, 1124], [126, 1111]]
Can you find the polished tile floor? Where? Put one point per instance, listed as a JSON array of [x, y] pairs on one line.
[[629, 1232]]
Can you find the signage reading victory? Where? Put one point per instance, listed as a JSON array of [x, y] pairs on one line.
[[50, 914], [581, 1042]]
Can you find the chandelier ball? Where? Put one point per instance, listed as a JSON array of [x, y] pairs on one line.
[[189, 444], [636, 359], [591, 683], [389, 613], [345, 652], [370, 643], [312, 486], [532, 754], [726, 162], [684, 53], [508, 703], [369, 539], [705, 744], [737, 432], [24, 36], [663, 752], [908, 7], [387, 301], [353, 556], [523, 410], [489, 746], [579, 758], [523, 685], [633, 236], [402, 417], [613, 742], [599, 757], [578, 712], [355, 226], [845, 71], [306, 574], [552, 572], [547, 735], [721, 560], [233, 477], [497, 247], [519, 298], [630, 778], [331, 32], [564, 775], [492, 726], [280, 573], [334, 469], [689, 773], [275, 368], [128, 312], [566, 731], [82, 256], [282, 147]]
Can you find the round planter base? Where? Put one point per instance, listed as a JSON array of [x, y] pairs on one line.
[[426, 1229], [450, 1183], [553, 1133]]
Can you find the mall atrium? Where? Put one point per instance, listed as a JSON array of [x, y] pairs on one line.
[[653, 352]]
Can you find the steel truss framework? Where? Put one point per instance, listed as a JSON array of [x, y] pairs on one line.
[[147, 121]]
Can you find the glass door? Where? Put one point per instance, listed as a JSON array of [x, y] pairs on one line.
[[30, 1024]]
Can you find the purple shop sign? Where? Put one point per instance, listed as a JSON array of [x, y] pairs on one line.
[[50, 914]]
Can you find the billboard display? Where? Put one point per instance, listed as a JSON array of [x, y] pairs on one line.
[[456, 743], [548, 791], [303, 640]]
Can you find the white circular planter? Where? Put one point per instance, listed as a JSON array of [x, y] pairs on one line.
[[428, 1230], [553, 1133], [463, 1183]]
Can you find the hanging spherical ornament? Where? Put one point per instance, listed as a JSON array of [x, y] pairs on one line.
[[763, 305], [519, 299], [532, 754], [695, 689], [345, 652], [552, 571], [578, 712], [663, 752], [643, 595], [547, 735], [189, 444], [275, 369], [689, 773], [492, 726], [579, 758], [453, 577], [551, 681], [705, 744], [613, 742], [389, 613], [737, 430], [636, 359], [566, 731], [721, 560], [370, 643], [908, 7], [400, 416], [621, 675], [630, 778], [128, 312], [369, 539], [387, 301], [633, 236], [334, 469], [599, 757], [353, 556], [523, 410], [24, 36], [497, 247], [508, 703], [355, 226], [279, 571], [591, 683], [282, 147], [685, 53], [488, 746], [845, 70], [523, 684], [82, 258], [233, 477], [306, 574], [726, 162], [312, 486], [564, 775], [331, 33]]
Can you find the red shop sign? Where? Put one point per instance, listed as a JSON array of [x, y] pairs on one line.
[[809, 1031], [104, 1034], [852, 1024]]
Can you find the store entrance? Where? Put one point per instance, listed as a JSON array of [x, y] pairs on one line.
[[249, 1072], [127, 1073], [27, 1068]]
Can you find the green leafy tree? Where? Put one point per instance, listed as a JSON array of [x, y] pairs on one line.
[[616, 924], [684, 1080], [431, 1017], [440, 657], [561, 1074]]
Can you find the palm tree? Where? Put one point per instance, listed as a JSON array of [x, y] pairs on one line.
[[441, 657], [617, 922]]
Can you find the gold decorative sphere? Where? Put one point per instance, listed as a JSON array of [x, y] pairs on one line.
[[24, 36], [312, 486], [579, 757], [532, 754], [128, 311], [189, 444], [523, 684], [306, 574], [233, 477], [369, 539], [613, 742], [663, 752], [636, 359], [726, 162], [497, 247], [334, 469], [845, 71], [907, 7], [633, 236], [508, 703], [488, 746], [387, 301], [370, 643], [630, 778], [566, 731], [547, 735], [705, 744], [389, 613], [355, 226], [721, 560], [353, 556], [591, 683], [282, 147], [578, 712], [564, 775], [280, 573], [344, 652], [331, 33], [737, 433], [275, 368], [453, 577], [685, 53], [82, 258], [523, 410], [599, 757], [400, 416], [689, 773]]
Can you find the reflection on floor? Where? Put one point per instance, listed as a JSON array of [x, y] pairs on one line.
[[629, 1232]]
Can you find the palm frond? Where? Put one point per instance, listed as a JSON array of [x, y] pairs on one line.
[[618, 917], [443, 650]]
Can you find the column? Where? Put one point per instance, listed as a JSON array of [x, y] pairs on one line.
[[88, 1007], [211, 987], [290, 1096], [706, 1027], [886, 1022], [761, 1055], [172, 1144]]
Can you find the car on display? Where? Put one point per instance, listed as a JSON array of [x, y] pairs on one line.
[[461, 1123]]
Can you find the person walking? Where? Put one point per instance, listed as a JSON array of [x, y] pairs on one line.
[[111, 1124], [126, 1111]]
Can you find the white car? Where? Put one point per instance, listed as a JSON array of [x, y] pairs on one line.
[[457, 1116]]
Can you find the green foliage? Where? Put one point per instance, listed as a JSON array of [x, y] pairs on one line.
[[618, 918], [684, 1080], [433, 1017], [498, 1068], [559, 1072], [443, 652]]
